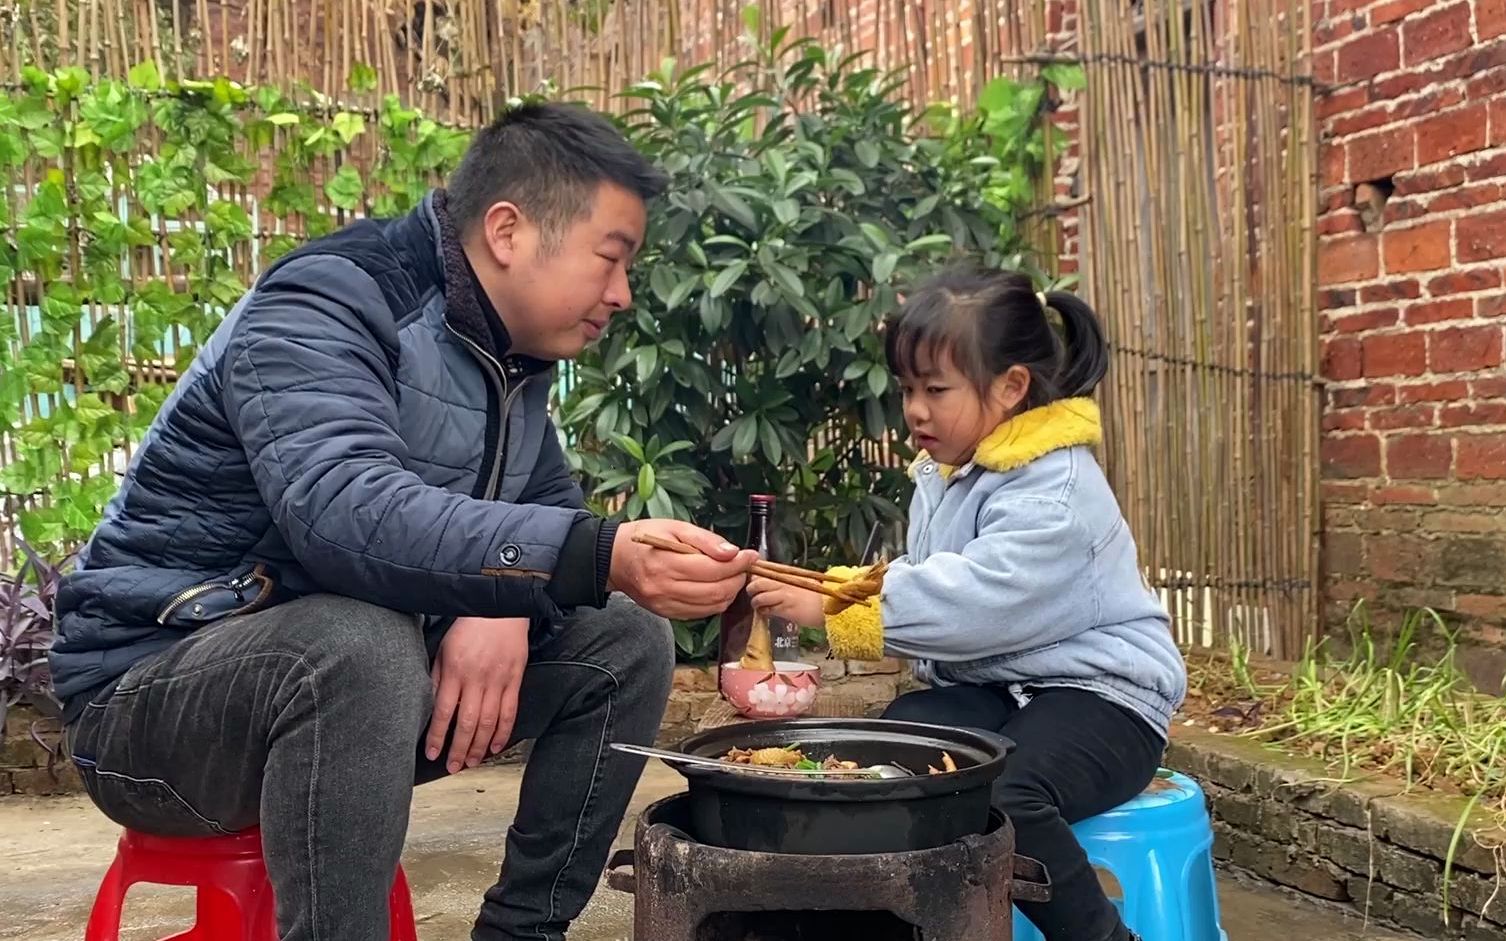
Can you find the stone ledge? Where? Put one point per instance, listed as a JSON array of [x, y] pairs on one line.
[[1370, 845], [26, 765]]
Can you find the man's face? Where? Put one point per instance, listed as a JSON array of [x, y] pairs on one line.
[[557, 298]]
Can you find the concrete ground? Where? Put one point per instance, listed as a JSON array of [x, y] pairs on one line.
[[53, 852]]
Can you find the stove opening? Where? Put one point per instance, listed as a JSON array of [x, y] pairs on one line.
[[806, 926]]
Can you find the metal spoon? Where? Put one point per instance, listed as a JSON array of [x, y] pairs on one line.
[[674, 757]]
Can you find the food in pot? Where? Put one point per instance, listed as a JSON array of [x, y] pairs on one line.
[[786, 758], [791, 757], [947, 765]]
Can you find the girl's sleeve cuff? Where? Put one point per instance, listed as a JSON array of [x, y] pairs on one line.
[[854, 631]]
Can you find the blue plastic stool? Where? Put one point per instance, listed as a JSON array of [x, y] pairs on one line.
[[1159, 848]]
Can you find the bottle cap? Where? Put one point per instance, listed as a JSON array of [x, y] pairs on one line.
[[761, 499]]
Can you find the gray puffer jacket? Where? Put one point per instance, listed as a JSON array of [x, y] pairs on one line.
[[354, 426]]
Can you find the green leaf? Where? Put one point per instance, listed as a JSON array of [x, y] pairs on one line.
[[734, 206], [48, 142], [662, 280], [744, 437], [787, 211], [722, 440], [647, 358], [850, 181], [145, 75], [348, 126], [187, 247], [71, 80], [283, 119], [778, 168], [997, 94], [345, 189], [1066, 76], [362, 78], [714, 313], [685, 639], [868, 153], [728, 277], [878, 379], [660, 506], [113, 114], [789, 282], [752, 18], [606, 420], [769, 439], [883, 267], [278, 246], [927, 242], [632, 447], [680, 294], [227, 223], [646, 483], [633, 509], [61, 308], [875, 234], [166, 190]]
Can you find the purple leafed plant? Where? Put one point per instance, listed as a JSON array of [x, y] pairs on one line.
[[26, 606]]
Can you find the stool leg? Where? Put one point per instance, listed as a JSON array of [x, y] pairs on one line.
[[262, 925], [400, 909], [104, 917]]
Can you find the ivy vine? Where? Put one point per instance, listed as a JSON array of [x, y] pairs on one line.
[[136, 214]]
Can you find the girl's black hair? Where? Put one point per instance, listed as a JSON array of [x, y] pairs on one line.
[[988, 321]]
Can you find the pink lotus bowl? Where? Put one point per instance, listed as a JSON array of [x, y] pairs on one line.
[[758, 694]]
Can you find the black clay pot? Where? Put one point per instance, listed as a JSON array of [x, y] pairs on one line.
[[777, 814]]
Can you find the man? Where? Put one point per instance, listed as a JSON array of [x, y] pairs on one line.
[[348, 555]]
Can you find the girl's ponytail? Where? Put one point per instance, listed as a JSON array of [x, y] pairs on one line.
[[1085, 358]]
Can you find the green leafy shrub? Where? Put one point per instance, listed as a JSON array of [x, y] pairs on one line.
[[805, 194]]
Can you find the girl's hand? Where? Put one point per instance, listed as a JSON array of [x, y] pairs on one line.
[[805, 608]]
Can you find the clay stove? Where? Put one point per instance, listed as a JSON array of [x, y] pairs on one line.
[[686, 890]]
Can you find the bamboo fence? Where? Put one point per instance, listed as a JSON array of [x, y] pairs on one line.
[[1194, 192]]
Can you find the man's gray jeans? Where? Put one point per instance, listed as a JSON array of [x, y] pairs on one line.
[[307, 719]]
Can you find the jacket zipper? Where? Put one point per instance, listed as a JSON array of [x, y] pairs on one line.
[[237, 585], [505, 396]]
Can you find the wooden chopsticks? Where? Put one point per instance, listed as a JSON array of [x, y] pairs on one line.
[[791, 575]]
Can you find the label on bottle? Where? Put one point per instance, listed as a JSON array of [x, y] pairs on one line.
[[786, 637]]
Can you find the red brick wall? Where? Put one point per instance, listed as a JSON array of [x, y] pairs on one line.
[[1411, 253]]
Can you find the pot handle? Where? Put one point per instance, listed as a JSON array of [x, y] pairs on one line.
[[1031, 882], [620, 875]]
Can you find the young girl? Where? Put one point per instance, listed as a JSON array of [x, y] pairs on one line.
[[1020, 596]]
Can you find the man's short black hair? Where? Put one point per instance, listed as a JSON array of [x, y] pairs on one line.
[[548, 159]]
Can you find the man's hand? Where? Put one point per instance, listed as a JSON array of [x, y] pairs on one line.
[[476, 679], [674, 585]]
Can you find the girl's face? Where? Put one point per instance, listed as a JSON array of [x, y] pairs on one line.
[[946, 413]]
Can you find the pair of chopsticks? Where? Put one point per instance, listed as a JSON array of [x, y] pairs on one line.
[[791, 575]]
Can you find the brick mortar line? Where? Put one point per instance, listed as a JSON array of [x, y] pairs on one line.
[[1495, 205], [1404, 303], [1459, 161], [1490, 432], [1389, 106], [1399, 329]]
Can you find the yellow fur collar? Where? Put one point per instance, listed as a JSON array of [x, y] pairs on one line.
[[1064, 423]]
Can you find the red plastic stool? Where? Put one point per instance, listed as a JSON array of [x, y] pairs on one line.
[[234, 899]]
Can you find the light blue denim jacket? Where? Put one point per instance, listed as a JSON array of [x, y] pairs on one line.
[[1021, 571]]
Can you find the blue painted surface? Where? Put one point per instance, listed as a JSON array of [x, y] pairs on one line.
[[1159, 846]]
